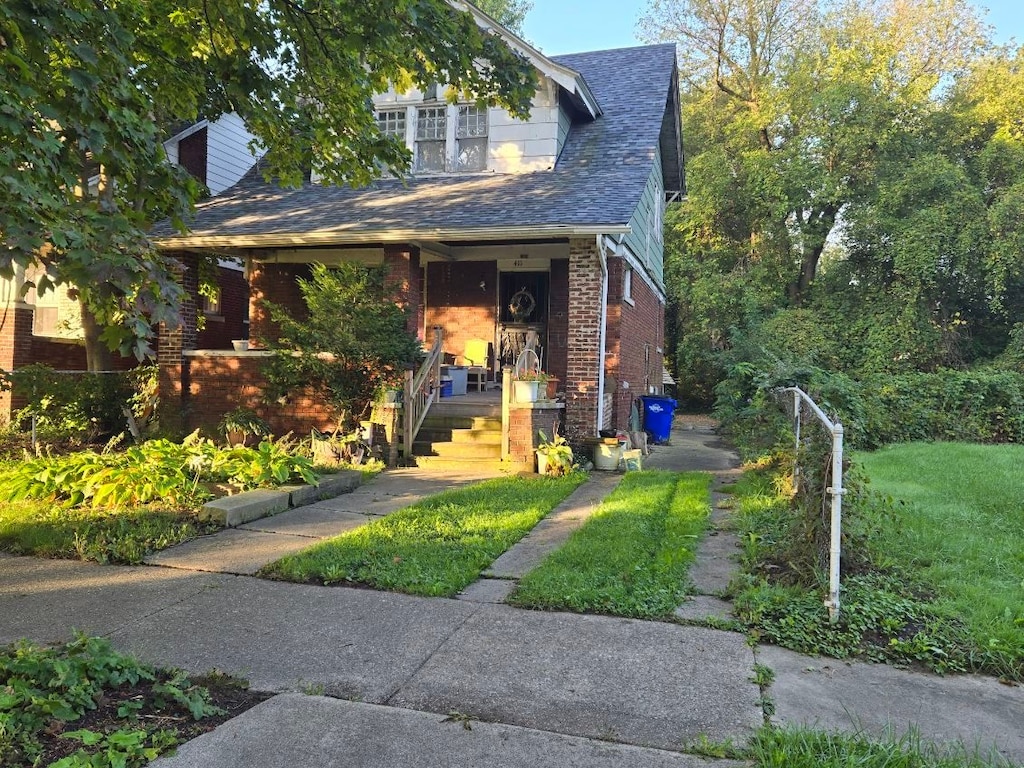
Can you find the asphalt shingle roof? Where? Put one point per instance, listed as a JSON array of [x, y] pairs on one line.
[[598, 178]]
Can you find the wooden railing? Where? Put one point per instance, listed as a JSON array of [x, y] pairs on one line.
[[422, 390]]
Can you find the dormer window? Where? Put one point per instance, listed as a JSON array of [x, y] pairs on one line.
[[471, 139], [391, 122], [431, 138]]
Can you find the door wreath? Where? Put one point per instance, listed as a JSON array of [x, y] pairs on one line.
[[521, 305]]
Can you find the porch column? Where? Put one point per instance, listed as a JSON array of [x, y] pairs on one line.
[[173, 372], [583, 370], [278, 284], [402, 283]]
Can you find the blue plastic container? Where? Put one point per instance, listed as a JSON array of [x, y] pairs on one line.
[[658, 413], [446, 388]]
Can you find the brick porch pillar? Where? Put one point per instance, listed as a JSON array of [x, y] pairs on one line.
[[278, 284], [403, 283], [581, 379], [173, 366]]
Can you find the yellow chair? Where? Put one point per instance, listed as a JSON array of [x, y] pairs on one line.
[[476, 357]]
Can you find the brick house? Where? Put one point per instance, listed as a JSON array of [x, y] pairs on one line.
[[503, 228], [47, 328]]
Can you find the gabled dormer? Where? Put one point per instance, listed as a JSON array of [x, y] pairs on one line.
[[462, 137]]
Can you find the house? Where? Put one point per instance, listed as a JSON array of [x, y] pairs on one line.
[[46, 327], [504, 230]]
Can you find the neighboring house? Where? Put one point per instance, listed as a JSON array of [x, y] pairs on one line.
[[503, 229], [47, 328]]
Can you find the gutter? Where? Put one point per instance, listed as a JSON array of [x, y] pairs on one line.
[[602, 347], [343, 237]]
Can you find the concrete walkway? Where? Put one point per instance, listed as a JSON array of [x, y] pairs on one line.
[[434, 682]]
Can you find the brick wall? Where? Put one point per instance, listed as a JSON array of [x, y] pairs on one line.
[[15, 341], [458, 304], [584, 337], [278, 284], [172, 375], [403, 282], [636, 331], [523, 428]]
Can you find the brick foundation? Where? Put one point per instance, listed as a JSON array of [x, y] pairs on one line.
[[524, 426]]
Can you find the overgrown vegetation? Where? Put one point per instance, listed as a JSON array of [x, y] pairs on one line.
[[632, 556], [349, 345], [126, 713], [793, 747], [117, 535], [154, 471], [436, 547], [894, 608]]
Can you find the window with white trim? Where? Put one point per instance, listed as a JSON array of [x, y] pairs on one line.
[[391, 122], [627, 284], [211, 302], [431, 138], [471, 139]]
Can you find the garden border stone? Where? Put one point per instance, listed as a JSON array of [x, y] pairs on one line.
[[233, 511]]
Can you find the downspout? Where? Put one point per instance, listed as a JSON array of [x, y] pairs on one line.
[[603, 258]]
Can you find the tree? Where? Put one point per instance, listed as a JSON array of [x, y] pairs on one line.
[[509, 13], [351, 342], [92, 87]]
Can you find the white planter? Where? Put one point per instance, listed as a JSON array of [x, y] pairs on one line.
[[240, 345], [525, 391], [607, 457]]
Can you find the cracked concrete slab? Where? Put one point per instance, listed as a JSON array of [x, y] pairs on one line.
[[232, 550], [857, 696], [639, 682], [291, 730], [45, 600], [356, 643]]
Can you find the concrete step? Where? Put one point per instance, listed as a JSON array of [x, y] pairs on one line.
[[447, 462], [477, 436], [459, 450], [456, 407], [440, 421]]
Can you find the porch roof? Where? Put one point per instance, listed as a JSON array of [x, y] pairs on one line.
[[595, 186]]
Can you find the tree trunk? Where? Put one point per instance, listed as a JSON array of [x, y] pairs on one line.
[[98, 356]]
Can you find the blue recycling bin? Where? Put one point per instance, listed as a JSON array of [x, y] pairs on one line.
[[658, 413]]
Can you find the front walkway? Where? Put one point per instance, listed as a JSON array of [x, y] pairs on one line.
[[554, 689]]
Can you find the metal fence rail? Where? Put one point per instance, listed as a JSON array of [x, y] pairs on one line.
[[835, 489]]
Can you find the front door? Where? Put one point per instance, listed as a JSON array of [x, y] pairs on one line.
[[522, 315]]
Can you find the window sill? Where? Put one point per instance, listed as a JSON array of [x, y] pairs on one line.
[[629, 300]]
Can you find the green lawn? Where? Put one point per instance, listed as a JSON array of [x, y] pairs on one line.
[[45, 529], [632, 556], [960, 530], [436, 547]]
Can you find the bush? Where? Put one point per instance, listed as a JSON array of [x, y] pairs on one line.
[[79, 406]]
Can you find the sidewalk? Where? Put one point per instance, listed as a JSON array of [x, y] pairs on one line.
[[552, 688]]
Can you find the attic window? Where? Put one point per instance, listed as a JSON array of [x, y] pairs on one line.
[[471, 139], [431, 136], [391, 122]]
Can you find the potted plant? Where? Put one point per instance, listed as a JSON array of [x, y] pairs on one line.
[[526, 385], [241, 423], [554, 456]]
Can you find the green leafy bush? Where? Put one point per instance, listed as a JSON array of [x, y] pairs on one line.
[[80, 405], [157, 470]]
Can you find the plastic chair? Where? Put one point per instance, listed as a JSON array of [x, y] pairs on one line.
[[476, 357]]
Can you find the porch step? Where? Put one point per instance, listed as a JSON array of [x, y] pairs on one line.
[[447, 462], [448, 422], [459, 450], [477, 436]]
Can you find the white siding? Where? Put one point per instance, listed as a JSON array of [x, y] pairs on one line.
[[228, 157]]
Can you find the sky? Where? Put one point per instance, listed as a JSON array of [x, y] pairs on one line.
[[569, 26]]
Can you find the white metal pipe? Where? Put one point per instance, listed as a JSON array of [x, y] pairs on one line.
[[837, 492], [602, 256]]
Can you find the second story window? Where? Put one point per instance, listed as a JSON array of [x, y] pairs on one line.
[[471, 139], [431, 138], [391, 122]]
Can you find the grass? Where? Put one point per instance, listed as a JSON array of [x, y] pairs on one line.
[[436, 547], [632, 556], [794, 747], [44, 529], [959, 527], [933, 564]]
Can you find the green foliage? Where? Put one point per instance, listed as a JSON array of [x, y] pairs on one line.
[[43, 685], [98, 86], [352, 343], [124, 535], [632, 556], [558, 453], [509, 13], [436, 547], [157, 470], [79, 406], [799, 747], [245, 422]]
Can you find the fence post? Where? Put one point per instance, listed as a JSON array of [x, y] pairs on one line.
[[797, 407], [836, 490], [408, 398]]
